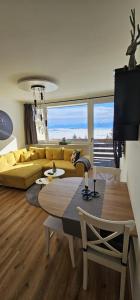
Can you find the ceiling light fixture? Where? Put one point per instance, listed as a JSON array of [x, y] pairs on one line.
[[39, 88]]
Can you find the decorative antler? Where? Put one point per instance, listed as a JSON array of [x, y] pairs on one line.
[[134, 41], [138, 35], [132, 20]]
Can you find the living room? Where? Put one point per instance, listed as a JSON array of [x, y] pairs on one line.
[[59, 58]]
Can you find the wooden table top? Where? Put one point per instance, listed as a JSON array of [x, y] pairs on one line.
[[56, 196]]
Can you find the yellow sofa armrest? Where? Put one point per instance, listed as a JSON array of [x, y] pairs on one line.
[[87, 156], [80, 169]]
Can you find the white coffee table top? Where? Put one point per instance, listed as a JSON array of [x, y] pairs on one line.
[[58, 173], [42, 181]]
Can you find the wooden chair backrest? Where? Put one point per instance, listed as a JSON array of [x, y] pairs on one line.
[[102, 244]]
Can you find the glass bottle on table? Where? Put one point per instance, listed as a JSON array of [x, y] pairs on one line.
[[54, 167]]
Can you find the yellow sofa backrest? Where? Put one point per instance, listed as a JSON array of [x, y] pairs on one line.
[[17, 154], [54, 153], [39, 151], [10, 159]]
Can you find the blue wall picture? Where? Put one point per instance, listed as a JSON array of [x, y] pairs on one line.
[[6, 126]]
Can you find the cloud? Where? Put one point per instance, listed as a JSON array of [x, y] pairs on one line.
[[77, 114], [68, 115], [103, 113]]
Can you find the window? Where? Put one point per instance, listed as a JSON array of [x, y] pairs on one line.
[[103, 120], [69, 122], [103, 133]]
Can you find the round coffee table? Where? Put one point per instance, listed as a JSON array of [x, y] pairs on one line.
[[58, 173]]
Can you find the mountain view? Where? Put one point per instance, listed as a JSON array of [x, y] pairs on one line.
[[70, 122]]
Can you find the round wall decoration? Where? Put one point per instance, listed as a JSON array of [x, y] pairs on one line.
[[6, 126]]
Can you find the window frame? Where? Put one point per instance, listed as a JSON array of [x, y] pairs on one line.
[[90, 112], [72, 103]]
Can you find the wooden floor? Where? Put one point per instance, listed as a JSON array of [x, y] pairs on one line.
[[25, 271]]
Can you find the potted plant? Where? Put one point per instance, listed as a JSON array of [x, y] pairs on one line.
[[63, 141]]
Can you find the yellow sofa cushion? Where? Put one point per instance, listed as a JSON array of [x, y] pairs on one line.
[[41, 162], [28, 156], [39, 151], [21, 175], [25, 156], [10, 159], [54, 153], [68, 154], [34, 156], [3, 164], [49, 153], [22, 171], [18, 153], [61, 164], [58, 153]]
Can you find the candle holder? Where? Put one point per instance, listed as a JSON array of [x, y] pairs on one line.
[[95, 194], [87, 194]]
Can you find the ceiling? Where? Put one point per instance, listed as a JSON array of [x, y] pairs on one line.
[[77, 43]]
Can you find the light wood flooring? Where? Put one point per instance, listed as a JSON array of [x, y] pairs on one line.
[[25, 271]]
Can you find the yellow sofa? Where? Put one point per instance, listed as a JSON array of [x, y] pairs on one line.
[[21, 168]]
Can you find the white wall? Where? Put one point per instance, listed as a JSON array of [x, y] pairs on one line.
[[131, 173], [132, 164], [15, 111], [133, 178]]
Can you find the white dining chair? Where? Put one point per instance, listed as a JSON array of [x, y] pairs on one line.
[[54, 224], [102, 249]]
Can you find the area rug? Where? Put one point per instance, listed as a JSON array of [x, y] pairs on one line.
[[32, 194]]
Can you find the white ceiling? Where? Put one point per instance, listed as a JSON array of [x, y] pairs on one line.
[[78, 43]]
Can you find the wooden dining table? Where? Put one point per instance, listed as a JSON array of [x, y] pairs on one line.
[[57, 196]]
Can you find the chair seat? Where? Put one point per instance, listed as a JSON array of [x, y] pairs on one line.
[[104, 259], [54, 223]]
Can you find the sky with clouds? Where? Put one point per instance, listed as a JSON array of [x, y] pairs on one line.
[[76, 116]]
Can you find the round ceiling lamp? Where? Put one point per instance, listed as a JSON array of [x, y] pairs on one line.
[[39, 88], [26, 84]]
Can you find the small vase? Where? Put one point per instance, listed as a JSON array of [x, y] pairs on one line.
[[54, 167]]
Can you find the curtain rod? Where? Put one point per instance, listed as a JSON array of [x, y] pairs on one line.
[[86, 98]]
